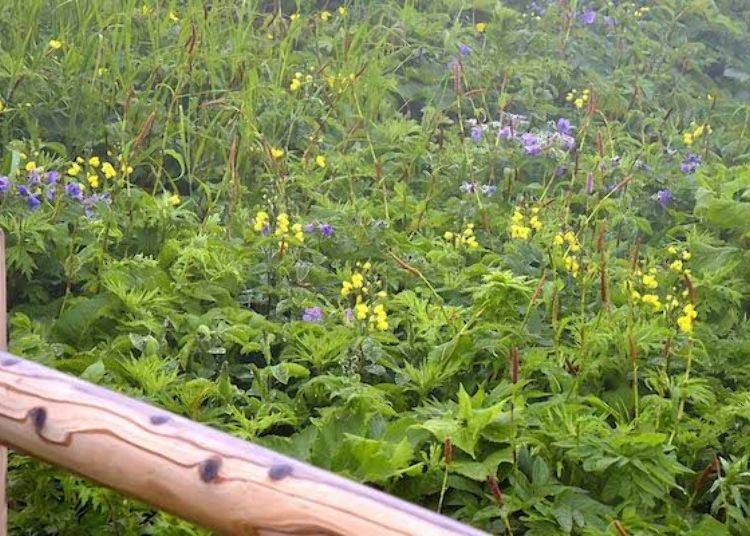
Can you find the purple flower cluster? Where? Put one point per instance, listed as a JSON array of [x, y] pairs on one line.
[[664, 197], [690, 163], [313, 315], [473, 187], [512, 127], [588, 17], [326, 229], [39, 185]]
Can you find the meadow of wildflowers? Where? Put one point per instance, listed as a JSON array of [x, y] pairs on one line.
[[490, 257]]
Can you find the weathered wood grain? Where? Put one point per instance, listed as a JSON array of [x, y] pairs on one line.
[[191, 470]]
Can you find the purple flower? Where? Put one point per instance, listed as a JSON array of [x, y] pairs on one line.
[[309, 228], [23, 190], [53, 177], [533, 150], [73, 189], [266, 230], [664, 197], [34, 178], [564, 127], [505, 132], [690, 163], [51, 194], [4, 184], [589, 17], [568, 142], [465, 50], [489, 190], [349, 316], [476, 134], [313, 314], [589, 183], [33, 202], [326, 229], [560, 171], [529, 139]]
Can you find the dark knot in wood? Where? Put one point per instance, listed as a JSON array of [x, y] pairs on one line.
[[38, 416], [280, 470], [159, 419], [209, 469]]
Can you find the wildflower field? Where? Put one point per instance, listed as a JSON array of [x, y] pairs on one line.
[[488, 256]]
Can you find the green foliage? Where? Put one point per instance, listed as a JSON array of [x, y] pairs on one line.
[[532, 330]]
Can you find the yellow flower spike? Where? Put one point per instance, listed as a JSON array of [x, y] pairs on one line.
[[108, 170], [698, 132], [360, 311], [74, 169], [480, 27], [55, 44], [346, 288], [517, 217], [320, 161], [277, 153], [175, 200], [357, 280]]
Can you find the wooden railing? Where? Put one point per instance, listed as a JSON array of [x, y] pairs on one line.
[[193, 471]]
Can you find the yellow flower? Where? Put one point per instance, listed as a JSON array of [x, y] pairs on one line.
[[30, 166], [686, 255], [480, 27], [108, 170], [579, 102], [261, 219], [93, 181], [276, 152], [360, 311], [535, 223], [676, 265], [520, 231], [698, 132], [357, 280], [325, 15], [649, 281], [687, 138], [94, 161], [295, 84], [571, 264], [685, 323], [672, 250], [293, 17], [74, 169], [2, 106], [570, 96], [517, 217], [652, 300], [635, 295], [367, 265], [55, 44], [173, 17], [175, 200], [558, 240], [320, 161], [448, 235], [472, 242], [342, 11], [346, 288]]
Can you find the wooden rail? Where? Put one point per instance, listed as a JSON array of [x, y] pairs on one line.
[[190, 470]]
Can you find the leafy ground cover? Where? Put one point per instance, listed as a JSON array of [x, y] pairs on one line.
[[487, 256]]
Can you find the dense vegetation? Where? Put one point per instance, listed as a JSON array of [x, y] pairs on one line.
[[487, 256]]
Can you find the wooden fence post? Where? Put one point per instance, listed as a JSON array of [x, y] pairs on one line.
[[3, 346]]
